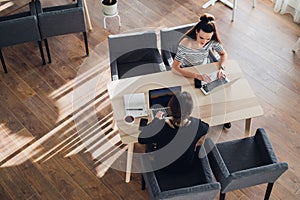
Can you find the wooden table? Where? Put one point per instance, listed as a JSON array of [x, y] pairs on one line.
[[225, 104]]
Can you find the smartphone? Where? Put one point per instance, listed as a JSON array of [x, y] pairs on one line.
[[198, 83], [143, 122]]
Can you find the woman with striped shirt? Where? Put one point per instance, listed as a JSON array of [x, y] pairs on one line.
[[194, 47]]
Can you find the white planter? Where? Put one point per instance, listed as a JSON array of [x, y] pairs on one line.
[[110, 10]]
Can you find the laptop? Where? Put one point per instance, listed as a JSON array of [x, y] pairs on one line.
[[206, 88], [159, 99]]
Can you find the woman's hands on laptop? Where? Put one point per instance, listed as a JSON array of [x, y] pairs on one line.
[[203, 77], [160, 115], [221, 73]]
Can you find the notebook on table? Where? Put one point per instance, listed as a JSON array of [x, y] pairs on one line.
[[135, 104], [159, 99]]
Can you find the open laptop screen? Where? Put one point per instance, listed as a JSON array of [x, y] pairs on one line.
[[162, 96]]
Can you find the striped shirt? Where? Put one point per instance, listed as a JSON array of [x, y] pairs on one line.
[[191, 57]]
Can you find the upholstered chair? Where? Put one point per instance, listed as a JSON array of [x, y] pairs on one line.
[[196, 183], [61, 20], [134, 54], [19, 28], [245, 162]]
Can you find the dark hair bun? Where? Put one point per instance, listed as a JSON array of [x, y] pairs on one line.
[[207, 18]]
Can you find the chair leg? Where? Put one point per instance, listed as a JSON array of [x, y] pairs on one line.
[[42, 52], [48, 51], [86, 43], [2, 61], [143, 183], [268, 191], [222, 196]]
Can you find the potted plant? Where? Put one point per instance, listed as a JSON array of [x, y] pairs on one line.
[[109, 7]]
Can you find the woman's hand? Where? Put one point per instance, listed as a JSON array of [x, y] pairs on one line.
[[160, 115], [203, 77], [221, 74]]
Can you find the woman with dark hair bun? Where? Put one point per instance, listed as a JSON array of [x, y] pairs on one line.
[[185, 133], [194, 47]]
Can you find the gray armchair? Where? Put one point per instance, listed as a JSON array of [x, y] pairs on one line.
[[245, 162], [196, 183], [61, 20], [169, 38], [17, 29], [134, 54]]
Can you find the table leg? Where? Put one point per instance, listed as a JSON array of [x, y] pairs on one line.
[[129, 161], [296, 45], [87, 15], [234, 6], [247, 127]]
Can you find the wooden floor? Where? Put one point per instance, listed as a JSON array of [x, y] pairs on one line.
[[56, 136]]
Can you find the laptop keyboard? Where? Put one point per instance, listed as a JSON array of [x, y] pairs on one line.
[[155, 110], [211, 85]]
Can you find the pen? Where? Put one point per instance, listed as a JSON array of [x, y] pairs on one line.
[[134, 109]]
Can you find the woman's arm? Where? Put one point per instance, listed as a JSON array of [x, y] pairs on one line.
[[223, 57], [183, 72], [203, 130], [200, 142], [151, 132]]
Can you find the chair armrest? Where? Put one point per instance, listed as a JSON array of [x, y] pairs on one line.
[[212, 56], [149, 176], [80, 3], [157, 59], [216, 162], [38, 6], [114, 71], [262, 138], [202, 155], [32, 8], [204, 191], [255, 176], [269, 172], [167, 58]]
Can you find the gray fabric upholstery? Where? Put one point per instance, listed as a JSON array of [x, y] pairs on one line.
[[134, 54], [170, 37], [245, 162], [19, 28], [202, 188], [61, 20]]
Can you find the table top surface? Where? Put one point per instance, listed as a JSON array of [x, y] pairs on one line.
[[227, 103]]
